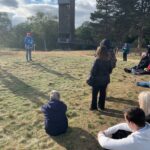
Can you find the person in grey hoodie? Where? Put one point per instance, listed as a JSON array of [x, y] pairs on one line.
[[139, 139]]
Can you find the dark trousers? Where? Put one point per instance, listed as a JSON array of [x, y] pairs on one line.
[[125, 56], [28, 54], [101, 90], [120, 134]]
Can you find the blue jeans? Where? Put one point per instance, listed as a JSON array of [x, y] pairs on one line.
[[28, 54], [143, 84]]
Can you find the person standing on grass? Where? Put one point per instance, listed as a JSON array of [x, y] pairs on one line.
[[139, 139], [100, 74], [56, 121], [28, 42], [125, 49]]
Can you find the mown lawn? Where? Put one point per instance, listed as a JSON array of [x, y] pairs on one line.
[[24, 87]]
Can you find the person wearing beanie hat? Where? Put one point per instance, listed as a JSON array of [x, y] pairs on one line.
[[28, 42]]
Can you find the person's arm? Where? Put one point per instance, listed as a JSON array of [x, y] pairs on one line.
[[114, 144], [65, 107], [43, 108], [94, 68], [115, 128]]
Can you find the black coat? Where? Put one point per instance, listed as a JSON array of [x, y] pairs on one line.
[[100, 71], [56, 121], [144, 62]]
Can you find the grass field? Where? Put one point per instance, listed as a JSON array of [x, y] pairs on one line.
[[24, 87]]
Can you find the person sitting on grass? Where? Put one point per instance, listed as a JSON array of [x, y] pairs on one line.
[[54, 111], [144, 103], [142, 67], [139, 139]]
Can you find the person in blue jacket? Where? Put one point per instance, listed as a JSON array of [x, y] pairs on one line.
[[28, 42], [125, 49], [56, 121]]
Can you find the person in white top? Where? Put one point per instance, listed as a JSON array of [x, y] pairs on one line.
[[139, 139]]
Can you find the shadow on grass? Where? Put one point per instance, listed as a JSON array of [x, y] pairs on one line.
[[77, 139], [43, 68], [20, 88], [121, 100], [112, 113]]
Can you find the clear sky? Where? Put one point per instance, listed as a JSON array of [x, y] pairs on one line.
[[21, 9]]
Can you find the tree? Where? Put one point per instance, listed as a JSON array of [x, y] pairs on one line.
[[102, 18], [44, 27], [142, 19], [84, 35], [5, 27]]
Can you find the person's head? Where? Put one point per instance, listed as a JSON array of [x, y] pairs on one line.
[[143, 54], [28, 34], [102, 53], [106, 43], [54, 95], [135, 118], [144, 101]]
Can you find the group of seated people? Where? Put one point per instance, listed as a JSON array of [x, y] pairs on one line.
[[143, 67], [134, 134]]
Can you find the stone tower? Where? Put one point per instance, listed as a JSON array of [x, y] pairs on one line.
[[66, 22]]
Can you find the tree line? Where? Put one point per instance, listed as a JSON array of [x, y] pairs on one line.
[[43, 27], [118, 20]]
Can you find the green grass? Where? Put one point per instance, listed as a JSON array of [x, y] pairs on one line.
[[24, 87]]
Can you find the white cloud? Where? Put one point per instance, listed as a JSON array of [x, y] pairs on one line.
[[26, 8]]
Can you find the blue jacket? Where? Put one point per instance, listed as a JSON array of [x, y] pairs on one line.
[[56, 121], [28, 41]]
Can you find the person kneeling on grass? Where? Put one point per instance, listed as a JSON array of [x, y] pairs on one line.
[[56, 121], [139, 139]]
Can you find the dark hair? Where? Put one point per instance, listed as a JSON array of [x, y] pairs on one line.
[[106, 43], [136, 115], [102, 53]]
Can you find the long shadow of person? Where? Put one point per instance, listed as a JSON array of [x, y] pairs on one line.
[[20, 88], [112, 113], [77, 139], [49, 70], [123, 101]]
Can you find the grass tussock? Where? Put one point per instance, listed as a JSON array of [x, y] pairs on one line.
[[25, 87]]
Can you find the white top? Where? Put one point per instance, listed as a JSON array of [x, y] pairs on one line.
[[139, 140]]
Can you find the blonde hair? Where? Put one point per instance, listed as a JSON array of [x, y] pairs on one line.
[[144, 101], [54, 95]]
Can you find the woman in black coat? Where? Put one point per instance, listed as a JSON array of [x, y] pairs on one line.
[[100, 74]]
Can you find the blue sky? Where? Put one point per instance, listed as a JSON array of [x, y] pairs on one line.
[[19, 10]]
